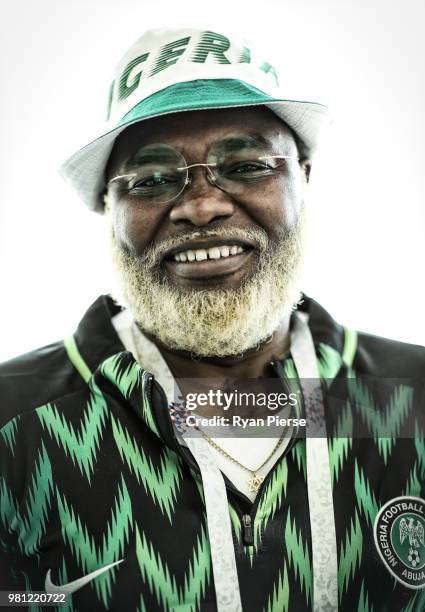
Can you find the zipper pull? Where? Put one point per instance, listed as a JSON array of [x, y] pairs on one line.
[[247, 532]]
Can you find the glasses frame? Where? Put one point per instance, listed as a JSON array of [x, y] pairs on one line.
[[209, 175]]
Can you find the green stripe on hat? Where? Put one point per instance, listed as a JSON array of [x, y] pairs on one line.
[[197, 95]]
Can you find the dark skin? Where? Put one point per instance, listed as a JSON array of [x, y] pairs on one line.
[[203, 205]]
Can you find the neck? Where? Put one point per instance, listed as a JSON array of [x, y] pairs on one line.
[[254, 363]]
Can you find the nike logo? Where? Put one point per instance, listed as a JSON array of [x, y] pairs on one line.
[[75, 585]]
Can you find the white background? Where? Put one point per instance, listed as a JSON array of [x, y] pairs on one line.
[[365, 58]]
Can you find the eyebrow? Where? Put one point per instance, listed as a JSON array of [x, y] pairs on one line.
[[146, 156], [242, 140]]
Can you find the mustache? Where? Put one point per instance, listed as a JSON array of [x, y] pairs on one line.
[[155, 251]]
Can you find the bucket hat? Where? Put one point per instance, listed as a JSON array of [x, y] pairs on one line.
[[176, 70]]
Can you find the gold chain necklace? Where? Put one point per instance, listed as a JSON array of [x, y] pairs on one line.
[[254, 482]]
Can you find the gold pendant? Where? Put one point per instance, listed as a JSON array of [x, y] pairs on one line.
[[254, 482]]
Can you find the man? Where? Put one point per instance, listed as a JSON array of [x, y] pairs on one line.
[[107, 493]]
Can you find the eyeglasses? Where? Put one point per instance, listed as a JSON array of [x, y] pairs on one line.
[[161, 173]]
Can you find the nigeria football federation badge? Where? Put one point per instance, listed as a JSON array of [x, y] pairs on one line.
[[399, 533]]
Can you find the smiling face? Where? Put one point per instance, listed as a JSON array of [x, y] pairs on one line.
[[208, 258]]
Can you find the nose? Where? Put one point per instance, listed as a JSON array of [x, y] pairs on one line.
[[202, 202]]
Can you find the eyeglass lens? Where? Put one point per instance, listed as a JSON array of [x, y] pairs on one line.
[[158, 173]]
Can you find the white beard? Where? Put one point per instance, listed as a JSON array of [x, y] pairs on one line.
[[215, 321]]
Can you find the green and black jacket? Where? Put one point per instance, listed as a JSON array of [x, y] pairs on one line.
[[91, 473]]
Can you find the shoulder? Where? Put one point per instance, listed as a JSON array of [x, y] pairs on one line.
[[389, 358], [368, 354], [47, 374], [35, 378]]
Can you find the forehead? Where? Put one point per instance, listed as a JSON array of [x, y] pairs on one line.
[[193, 132]]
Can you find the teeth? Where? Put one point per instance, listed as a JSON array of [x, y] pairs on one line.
[[212, 253], [201, 254]]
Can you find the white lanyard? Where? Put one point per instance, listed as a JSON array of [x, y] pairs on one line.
[[322, 518], [226, 580]]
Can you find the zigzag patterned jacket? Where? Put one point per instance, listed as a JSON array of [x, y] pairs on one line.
[[91, 473]]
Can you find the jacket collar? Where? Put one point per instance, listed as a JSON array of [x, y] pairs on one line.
[[96, 337], [324, 329]]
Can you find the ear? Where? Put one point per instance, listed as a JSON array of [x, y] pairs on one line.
[[106, 203], [306, 168]]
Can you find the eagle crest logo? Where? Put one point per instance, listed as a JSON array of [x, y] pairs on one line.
[[415, 533]]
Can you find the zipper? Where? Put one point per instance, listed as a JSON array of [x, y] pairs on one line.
[[247, 531], [247, 520]]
